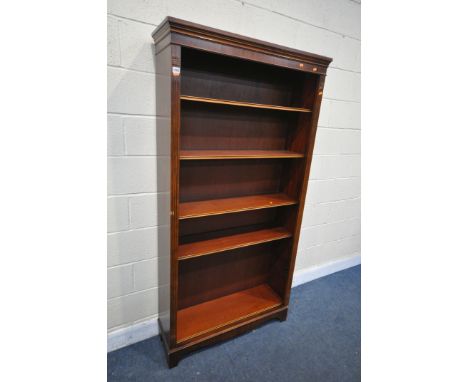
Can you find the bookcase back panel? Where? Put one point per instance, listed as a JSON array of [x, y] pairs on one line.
[[215, 76], [278, 275], [205, 278], [212, 179], [221, 127], [210, 227]]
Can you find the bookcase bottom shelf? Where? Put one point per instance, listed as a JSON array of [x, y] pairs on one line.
[[205, 317]]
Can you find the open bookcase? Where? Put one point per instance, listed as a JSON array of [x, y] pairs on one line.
[[242, 120]]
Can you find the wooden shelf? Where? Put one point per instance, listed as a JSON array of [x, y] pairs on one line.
[[243, 104], [202, 318], [228, 205], [207, 247], [237, 154]]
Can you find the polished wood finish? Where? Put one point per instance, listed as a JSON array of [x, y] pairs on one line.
[[211, 126], [230, 205], [231, 178], [208, 277], [224, 225], [218, 78], [243, 104], [224, 311], [184, 33], [221, 244], [175, 353], [237, 154], [243, 117]]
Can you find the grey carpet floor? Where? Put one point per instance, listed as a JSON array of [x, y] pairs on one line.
[[320, 341]]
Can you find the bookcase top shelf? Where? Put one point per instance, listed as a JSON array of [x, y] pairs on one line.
[[229, 205], [237, 154], [243, 104]]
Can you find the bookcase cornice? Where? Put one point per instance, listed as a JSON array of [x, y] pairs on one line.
[[181, 32]]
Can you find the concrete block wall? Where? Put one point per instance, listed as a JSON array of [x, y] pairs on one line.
[[137, 183]]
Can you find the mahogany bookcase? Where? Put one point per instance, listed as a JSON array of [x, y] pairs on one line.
[[242, 121]]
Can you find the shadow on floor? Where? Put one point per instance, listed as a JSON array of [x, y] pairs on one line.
[[320, 341]]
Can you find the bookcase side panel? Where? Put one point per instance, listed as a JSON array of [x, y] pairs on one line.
[[313, 92], [175, 75], [165, 177]]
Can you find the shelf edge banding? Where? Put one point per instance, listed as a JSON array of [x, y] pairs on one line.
[[243, 104]]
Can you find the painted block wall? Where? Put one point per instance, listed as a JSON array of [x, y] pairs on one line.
[[137, 183]]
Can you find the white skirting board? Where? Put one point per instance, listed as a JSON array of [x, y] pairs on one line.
[[131, 334], [305, 275], [141, 331]]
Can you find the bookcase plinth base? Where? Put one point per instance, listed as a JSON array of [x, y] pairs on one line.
[[174, 355]]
